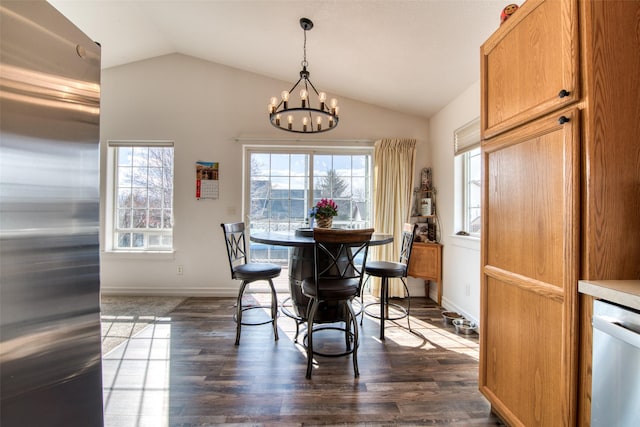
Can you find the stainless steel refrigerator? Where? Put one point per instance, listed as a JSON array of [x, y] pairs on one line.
[[50, 346]]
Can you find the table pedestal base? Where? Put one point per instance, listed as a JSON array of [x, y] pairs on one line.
[[301, 262]]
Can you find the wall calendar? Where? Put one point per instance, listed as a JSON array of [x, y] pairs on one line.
[[207, 180]]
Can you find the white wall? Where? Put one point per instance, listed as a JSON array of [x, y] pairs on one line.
[[202, 107], [461, 255]]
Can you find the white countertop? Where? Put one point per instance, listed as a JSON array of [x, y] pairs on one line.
[[622, 292]]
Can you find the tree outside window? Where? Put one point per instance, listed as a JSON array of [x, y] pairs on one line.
[[143, 213]]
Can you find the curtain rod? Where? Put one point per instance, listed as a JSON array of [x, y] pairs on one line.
[[359, 141]]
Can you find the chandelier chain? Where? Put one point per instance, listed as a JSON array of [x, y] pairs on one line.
[[304, 50]]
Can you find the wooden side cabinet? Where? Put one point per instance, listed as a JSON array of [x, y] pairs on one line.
[[426, 263]]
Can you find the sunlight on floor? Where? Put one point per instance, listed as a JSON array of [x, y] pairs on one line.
[[423, 335], [136, 378]]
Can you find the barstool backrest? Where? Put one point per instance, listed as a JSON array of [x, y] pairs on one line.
[[341, 254], [236, 247], [408, 234]]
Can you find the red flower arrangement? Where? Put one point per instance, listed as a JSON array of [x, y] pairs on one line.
[[325, 208]]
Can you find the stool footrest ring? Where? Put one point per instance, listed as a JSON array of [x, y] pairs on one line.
[[403, 311], [334, 328], [254, 307]]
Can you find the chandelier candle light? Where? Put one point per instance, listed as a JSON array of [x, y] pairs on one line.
[[313, 115]]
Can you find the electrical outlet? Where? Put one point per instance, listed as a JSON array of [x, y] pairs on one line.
[[467, 289], [179, 270]]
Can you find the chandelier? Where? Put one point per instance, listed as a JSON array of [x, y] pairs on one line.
[[313, 114]]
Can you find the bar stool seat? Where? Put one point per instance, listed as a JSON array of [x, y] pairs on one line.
[[386, 269], [257, 271]]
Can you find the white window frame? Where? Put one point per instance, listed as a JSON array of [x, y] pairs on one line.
[[311, 151], [466, 150], [470, 222], [111, 228]]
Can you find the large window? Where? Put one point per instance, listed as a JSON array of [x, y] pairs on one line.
[[143, 195], [285, 184], [468, 166]]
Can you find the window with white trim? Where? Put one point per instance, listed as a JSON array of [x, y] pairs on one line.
[[471, 191], [142, 196], [468, 190], [284, 183]]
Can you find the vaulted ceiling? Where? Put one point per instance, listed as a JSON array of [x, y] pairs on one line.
[[412, 56]]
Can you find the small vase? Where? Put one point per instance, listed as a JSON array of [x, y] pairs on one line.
[[325, 222]]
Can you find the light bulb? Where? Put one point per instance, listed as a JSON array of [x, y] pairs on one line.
[[303, 94], [285, 95], [322, 97], [336, 110], [334, 103], [319, 121], [290, 119], [278, 119], [274, 101], [305, 120]]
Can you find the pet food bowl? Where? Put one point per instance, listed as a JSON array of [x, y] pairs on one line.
[[450, 316], [464, 326]]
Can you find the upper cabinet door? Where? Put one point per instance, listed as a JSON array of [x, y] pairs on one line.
[[529, 66]]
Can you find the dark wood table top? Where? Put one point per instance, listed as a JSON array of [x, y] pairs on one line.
[[291, 238]]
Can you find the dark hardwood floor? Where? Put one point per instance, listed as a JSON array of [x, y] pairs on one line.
[[184, 370]]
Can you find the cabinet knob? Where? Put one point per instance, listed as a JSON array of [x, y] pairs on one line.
[[564, 93], [563, 119]]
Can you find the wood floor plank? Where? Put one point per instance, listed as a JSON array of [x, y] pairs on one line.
[[191, 374]]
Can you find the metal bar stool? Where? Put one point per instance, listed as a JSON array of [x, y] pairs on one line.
[[248, 272], [389, 269], [340, 258]]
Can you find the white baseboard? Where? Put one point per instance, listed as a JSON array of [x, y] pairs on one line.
[[449, 306], [185, 292]]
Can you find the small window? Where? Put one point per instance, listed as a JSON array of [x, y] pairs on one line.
[[143, 195], [468, 190], [471, 191]]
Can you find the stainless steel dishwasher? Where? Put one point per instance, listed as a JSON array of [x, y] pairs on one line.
[[615, 400]]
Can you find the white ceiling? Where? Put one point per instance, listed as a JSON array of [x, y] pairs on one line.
[[412, 56]]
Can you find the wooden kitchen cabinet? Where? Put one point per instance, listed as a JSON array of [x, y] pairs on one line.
[[530, 262], [560, 198], [426, 263], [530, 65]]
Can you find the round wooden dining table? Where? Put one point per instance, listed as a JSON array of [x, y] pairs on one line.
[[301, 261]]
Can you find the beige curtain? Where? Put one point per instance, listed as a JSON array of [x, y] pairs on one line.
[[393, 165]]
